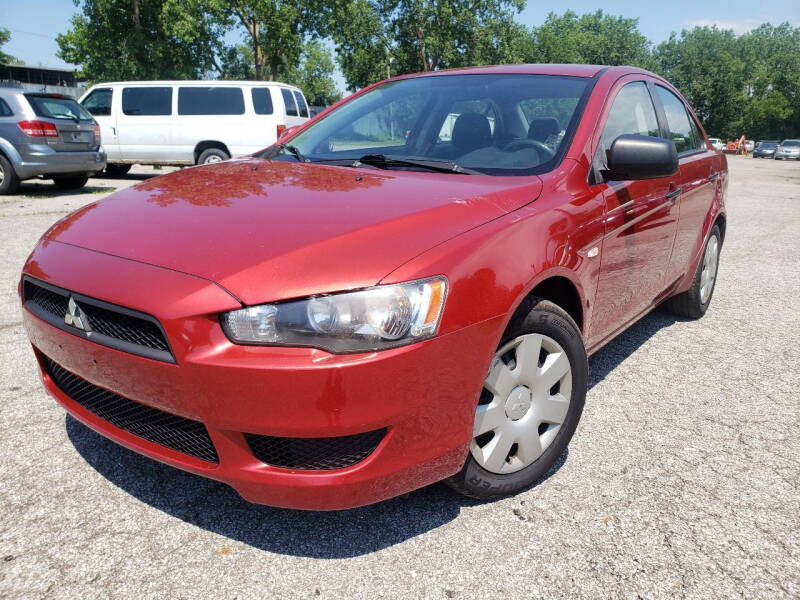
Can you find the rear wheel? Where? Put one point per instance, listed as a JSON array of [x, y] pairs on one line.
[[116, 169], [71, 183], [212, 155], [693, 303], [530, 405], [9, 182]]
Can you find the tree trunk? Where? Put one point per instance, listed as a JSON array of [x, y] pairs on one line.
[[422, 54], [258, 57]]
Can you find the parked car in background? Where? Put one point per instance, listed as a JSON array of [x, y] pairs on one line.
[[749, 145], [788, 150], [383, 301], [716, 143], [765, 149], [190, 122], [48, 136]]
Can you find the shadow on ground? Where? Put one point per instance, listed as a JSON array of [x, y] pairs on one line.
[[217, 508]]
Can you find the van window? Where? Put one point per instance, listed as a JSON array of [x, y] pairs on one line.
[[210, 101], [262, 101], [301, 103], [288, 101], [147, 101], [98, 102]]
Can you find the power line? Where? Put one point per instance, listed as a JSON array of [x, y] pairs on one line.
[[49, 37]]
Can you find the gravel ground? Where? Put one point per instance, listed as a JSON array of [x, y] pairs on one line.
[[681, 481]]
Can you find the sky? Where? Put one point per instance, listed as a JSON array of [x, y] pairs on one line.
[[34, 24]]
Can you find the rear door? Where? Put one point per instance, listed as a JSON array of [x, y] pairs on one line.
[[292, 110], [75, 126], [641, 220], [98, 103], [144, 122], [695, 180]]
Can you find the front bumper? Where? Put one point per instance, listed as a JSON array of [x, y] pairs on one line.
[[423, 395], [787, 156], [40, 160]]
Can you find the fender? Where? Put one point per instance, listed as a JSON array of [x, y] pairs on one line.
[[12, 155]]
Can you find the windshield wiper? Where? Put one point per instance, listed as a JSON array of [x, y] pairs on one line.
[[294, 151], [66, 116], [382, 161]]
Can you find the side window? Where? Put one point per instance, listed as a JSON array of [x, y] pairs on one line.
[[196, 100], [288, 101], [631, 113], [98, 103], [301, 104], [5, 110], [686, 138], [147, 101], [262, 101]]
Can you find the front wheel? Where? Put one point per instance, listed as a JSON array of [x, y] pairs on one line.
[[531, 403], [70, 183]]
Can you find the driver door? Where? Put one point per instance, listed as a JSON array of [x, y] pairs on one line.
[[641, 221]]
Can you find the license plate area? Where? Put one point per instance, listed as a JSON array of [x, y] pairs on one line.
[[76, 137]]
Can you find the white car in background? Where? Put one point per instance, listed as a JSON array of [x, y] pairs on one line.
[[749, 145], [190, 122], [717, 143]]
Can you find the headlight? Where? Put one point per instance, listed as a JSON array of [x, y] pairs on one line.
[[373, 319]]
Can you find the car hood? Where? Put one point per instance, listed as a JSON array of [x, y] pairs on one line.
[[271, 230]]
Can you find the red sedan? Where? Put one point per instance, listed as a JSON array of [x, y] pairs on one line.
[[404, 290]]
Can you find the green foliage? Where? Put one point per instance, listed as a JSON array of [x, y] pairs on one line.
[[315, 75], [5, 36]]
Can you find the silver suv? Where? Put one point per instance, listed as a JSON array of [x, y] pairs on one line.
[[49, 136]]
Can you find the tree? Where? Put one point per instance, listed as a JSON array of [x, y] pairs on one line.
[[128, 40], [705, 65], [5, 36], [376, 38], [315, 75], [594, 38]]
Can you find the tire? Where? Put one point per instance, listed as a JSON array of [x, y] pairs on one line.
[[694, 302], [9, 181], [71, 183], [212, 155], [116, 169], [521, 411]]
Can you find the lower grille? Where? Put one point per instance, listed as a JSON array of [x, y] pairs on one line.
[[174, 432], [314, 453]]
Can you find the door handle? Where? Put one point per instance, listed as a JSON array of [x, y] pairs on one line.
[[674, 193], [713, 176]]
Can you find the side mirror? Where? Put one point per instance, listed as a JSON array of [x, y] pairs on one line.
[[641, 157], [287, 132]]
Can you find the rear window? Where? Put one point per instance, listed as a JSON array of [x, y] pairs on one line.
[[301, 103], [288, 100], [5, 110], [52, 107], [210, 101], [262, 101], [147, 101], [98, 102]]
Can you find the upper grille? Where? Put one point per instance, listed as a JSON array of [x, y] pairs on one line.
[[314, 453], [107, 324], [184, 435]]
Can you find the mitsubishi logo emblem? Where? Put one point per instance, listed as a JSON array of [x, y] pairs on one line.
[[75, 316]]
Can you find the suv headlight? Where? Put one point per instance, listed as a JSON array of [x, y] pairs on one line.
[[376, 318]]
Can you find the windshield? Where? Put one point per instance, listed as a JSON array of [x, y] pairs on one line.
[[53, 107], [767, 145], [509, 124], [790, 143]]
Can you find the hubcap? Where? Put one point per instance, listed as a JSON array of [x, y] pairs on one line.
[[709, 273], [213, 159], [2, 174], [523, 405]]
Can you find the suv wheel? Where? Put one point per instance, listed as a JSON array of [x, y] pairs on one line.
[[212, 155], [71, 183], [530, 405], [9, 182]]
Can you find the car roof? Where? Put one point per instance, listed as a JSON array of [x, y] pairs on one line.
[[535, 69]]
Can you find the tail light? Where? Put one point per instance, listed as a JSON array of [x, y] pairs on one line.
[[280, 130], [38, 128], [97, 134]]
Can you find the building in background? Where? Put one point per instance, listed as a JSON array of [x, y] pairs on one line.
[[40, 79]]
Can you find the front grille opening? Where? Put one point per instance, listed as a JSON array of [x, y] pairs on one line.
[[168, 430], [46, 299], [317, 454], [124, 327]]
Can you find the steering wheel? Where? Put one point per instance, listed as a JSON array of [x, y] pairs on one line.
[[543, 150]]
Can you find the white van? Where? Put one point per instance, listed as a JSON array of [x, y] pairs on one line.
[[190, 122]]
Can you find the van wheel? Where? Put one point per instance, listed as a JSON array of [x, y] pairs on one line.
[[70, 183], [116, 170], [212, 155], [9, 182], [531, 403]]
